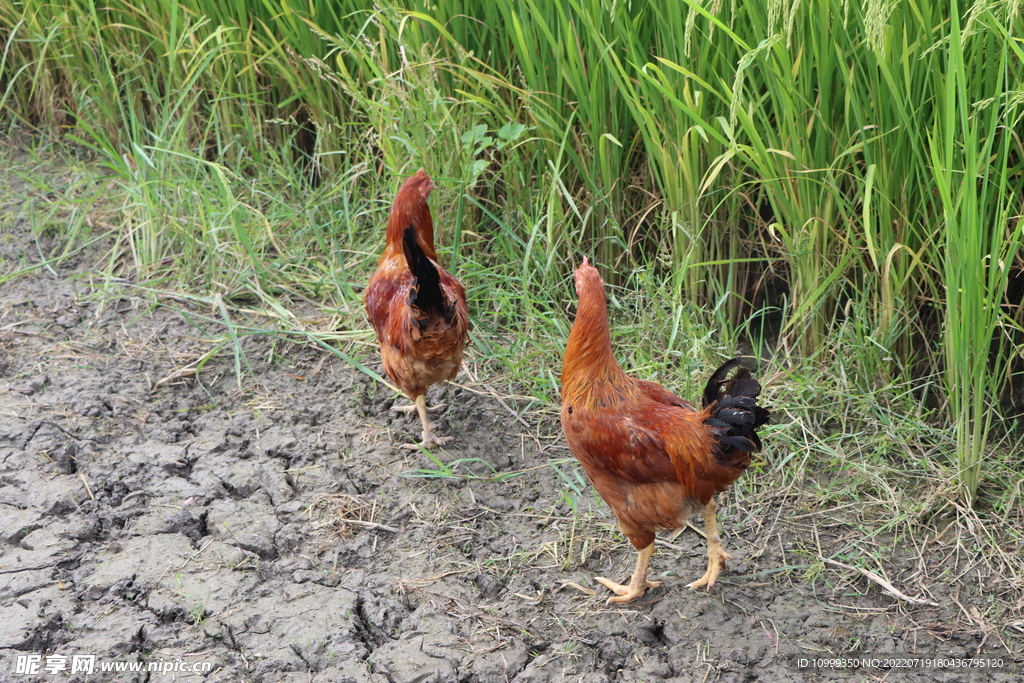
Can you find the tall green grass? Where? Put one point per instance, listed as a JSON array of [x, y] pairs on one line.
[[971, 142], [835, 184]]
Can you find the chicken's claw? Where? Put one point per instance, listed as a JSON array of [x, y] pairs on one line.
[[411, 408], [429, 441], [638, 583], [628, 593], [717, 557]]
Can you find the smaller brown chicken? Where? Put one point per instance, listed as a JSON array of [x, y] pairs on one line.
[[654, 459], [417, 308]]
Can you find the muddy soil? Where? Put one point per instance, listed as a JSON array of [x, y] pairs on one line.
[[267, 526]]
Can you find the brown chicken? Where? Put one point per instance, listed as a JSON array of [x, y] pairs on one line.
[[417, 309], [655, 460]]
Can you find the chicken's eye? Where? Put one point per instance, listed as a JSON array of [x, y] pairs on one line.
[[570, 410]]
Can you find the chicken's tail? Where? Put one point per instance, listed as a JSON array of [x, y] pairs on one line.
[[735, 415], [427, 295]]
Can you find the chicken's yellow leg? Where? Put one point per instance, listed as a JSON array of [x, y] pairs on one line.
[[429, 438], [717, 557], [638, 583]]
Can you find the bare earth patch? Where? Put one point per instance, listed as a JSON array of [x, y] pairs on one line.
[[269, 526]]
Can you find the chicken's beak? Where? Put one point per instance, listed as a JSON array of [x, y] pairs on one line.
[[585, 262]]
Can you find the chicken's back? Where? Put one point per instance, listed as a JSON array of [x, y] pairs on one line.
[[416, 351]]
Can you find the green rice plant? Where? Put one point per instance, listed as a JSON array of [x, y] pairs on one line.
[[670, 104], [562, 59], [971, 140], [805, 168]]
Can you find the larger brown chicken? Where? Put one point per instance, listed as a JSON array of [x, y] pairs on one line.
[[654, 459], [417, 309]]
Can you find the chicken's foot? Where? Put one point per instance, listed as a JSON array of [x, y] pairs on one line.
[[638, 583], [430, 440], [717, 557], [411, 408]]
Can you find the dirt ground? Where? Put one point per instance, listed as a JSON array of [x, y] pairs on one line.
[[269, 527]]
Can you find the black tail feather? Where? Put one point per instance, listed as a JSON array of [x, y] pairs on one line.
[[719, 379], [427, 296], [735, 414]]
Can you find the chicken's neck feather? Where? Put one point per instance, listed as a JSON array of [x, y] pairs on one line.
[[588, 354], [410, 209]]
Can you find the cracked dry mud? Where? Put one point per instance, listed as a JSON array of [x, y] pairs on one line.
[[274, 530]]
